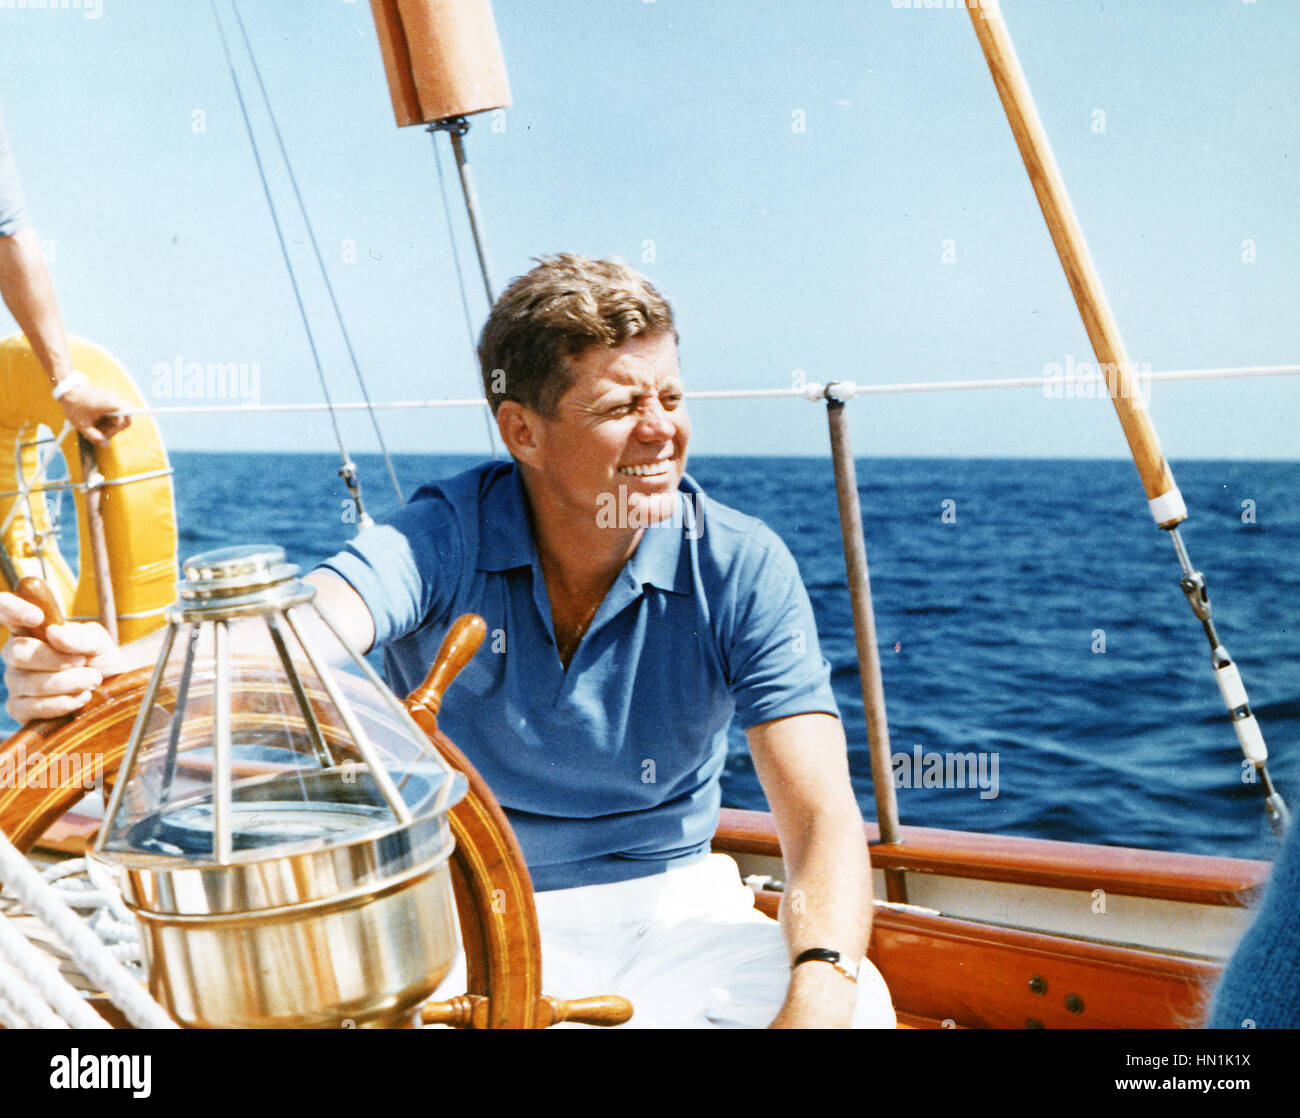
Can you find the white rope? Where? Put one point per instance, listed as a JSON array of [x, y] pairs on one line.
[[25, 1001], [40, 971], [10, 1018], [812, 391], [109, 917], [91, 956]]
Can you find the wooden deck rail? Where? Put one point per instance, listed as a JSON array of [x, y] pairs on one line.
[[1197, 878]]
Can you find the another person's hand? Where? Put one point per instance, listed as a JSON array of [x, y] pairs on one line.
[[92, 411], [54, 677]]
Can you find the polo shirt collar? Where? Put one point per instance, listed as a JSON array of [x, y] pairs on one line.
[[505, 537], [506, 540], [657, 559]]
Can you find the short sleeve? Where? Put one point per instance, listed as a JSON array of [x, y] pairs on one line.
[[13, 211], [406, 567], [774, 661]]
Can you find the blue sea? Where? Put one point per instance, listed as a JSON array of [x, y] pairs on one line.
[[1027, 611]]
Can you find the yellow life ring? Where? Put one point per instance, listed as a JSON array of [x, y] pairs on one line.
[[139, 513]]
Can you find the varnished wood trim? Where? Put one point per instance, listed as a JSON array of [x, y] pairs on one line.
[[1024, 861], [979, 976], [948, 973]]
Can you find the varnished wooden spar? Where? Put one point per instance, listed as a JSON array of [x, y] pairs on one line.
[[1163, 497], [1085, 283]]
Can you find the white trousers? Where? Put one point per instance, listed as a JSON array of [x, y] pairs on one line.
[[687, 948]]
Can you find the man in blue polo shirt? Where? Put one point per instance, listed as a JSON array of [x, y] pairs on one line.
[[630, 619], [607, 766]]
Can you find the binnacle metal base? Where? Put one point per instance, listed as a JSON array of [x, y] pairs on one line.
[[351, 935], [368, 961]]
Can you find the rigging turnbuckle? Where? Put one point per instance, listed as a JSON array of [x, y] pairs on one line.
[[1233, 690], [348, 472]]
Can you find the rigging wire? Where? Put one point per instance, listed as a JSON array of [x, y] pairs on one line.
[[348, 470], [37, 483], [320, 260], [812, 391], [460, 275]]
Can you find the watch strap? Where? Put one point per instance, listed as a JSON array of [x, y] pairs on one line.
[[826, 955]]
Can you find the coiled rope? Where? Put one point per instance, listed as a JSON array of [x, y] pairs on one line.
[[93, 958]]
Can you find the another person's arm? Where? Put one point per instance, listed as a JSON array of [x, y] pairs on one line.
[[29, 294], [802, 764], [1260, 988], [54, 677]]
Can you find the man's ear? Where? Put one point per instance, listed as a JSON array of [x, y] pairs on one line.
[[520, 430]]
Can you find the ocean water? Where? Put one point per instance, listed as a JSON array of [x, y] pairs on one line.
[[1036, 647]]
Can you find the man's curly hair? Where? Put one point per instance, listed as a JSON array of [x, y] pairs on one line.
[[560, 308]]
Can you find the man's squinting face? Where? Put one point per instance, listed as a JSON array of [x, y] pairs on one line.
[[621, 423]]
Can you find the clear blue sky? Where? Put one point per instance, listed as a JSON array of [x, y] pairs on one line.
[[671, 121]]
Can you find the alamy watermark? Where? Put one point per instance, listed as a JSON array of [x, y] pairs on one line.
[[616, 511], [1082, 380], [18, 769], [89, 9], [926, 769], [984, 7], [179, 379]]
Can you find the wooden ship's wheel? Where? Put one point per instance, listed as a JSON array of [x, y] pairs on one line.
[[494, 897]]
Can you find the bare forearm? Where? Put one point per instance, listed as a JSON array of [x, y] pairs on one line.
[[802, 763], [827, 904], [29, 294], [828, 897]]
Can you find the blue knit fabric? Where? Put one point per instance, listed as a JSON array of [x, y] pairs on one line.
[[1261, 984], [707, 619]]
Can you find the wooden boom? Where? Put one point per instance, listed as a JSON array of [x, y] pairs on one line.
[[1165, 501]]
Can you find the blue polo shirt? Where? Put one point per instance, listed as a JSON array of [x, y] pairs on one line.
[[610, 770]]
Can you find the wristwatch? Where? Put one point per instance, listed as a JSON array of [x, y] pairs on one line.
[[824, 955]]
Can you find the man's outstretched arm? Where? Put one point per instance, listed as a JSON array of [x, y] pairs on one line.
[[54, 677], [802, 764]]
